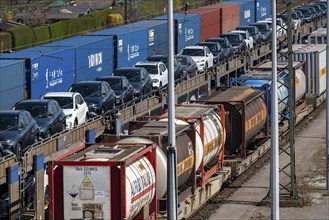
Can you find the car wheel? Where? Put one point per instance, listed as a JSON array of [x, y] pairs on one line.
[[103, 111], [48, 134], [160, 86], [206, 68], [18, 150], [36, 139], [87, 117], [63, 127], [75, 123], [1, 154]]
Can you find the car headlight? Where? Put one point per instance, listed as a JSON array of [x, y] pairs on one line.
[[69, 116], [155, 80]]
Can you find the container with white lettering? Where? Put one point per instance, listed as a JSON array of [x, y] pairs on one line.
[[130, 44], [46, 69], [104, 181], [186, 30], [93, 55], [12, 82], [247, 10]]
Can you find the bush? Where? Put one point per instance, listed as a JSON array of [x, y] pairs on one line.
[[22, 36], [42, 34], [6, 42]]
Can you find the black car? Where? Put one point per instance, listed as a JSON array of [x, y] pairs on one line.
[[178, 68], [139, 79], [316, 9], [216, 49], [228, 48], [47, 113], [98, 95], [237, 41], [123, 89], [18, 131], [254, 32], [323, 6], [190, 68], [307, 13], [265, 30], [300, 16]]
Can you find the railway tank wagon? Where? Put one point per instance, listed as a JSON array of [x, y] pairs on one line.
[[246, 117]]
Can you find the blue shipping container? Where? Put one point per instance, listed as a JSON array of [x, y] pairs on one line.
[[12, 82], [247, 11], [157, 35], [46, 69], [187, 30], [130, 44], [263, 9], [93, 55]]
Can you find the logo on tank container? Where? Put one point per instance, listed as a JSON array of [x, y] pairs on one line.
[[95, 59], [189, 34], [262, 11], [151, 37], [133, 51], [120, 45]]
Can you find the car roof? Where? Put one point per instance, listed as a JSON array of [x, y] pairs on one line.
[[60, 94], [128, 68], [208, 42], [229, 34], [194, 47], [87, 82], [110, 77], [149, 63], [11, 112], [33, 101]]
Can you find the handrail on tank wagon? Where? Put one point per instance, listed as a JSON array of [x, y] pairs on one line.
[[60, 143]]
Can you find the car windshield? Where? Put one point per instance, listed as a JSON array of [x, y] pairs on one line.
[[151, 69], [232, 38], [64, 102], [8, 122], [158, 58], [87, 90], [212, 48], [244, 35], [261, 27], [250, 29], [193, 52], [115, 83], [37, 110], [132, 76], [182, 60]]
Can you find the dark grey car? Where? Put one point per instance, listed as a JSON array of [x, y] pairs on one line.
[[139, 79], [47, 113], [254, 32], [190, 68], [216, 49], [237, 41], [123, 89], [265, 30], [228, 48], [98, 95], [18, 131]]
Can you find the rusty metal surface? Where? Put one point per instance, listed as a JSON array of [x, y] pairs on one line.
[[191, 110]]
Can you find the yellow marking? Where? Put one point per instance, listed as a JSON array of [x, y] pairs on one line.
[[323, 71], [185, 165], [297, 83], [256, 119], [86, 182]]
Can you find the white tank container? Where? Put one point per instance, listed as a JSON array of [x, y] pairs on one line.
[[140, 185], [300, 84]]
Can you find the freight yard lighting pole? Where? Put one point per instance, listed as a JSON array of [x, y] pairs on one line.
[[274, 124], [327, 101], [171, 150]]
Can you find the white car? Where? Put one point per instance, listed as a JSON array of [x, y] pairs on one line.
[[201, 55], [246, 36], [74, 106], [157, 70], [281, 26]]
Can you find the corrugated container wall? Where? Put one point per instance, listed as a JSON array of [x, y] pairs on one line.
[[314, 56], [247, 11], [157, 35], [187, 30], [130, 44], [47, 70], [263, 9], [12, 83], [93, 55], [229, 16], [209, 21]]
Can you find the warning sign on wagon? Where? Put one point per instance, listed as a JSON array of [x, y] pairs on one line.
[[86, 192]]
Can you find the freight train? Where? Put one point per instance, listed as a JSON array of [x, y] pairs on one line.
[[205, 134]]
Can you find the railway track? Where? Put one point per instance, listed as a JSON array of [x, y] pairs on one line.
[[233, 184]]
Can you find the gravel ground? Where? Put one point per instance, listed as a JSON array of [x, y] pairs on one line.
[[241, 198]]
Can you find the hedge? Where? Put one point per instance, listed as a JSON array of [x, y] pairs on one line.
[[42, 35], [5, 41], [22, 36]]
